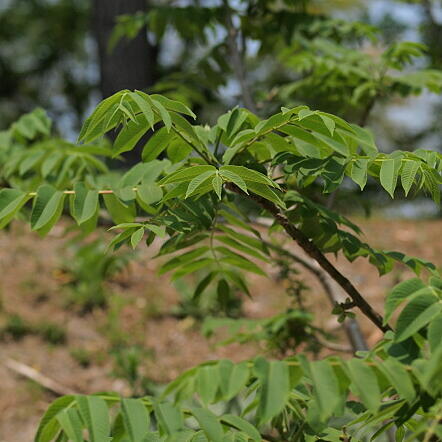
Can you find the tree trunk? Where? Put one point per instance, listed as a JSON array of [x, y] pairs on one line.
[[131, 64]]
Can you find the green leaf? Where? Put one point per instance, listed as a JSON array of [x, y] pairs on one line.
[[432, 181], [240, 261], [136, 237], [50, 163], [71, 424], [234, 178], [364, 138], [96, 125], [144, 106], [158, 230], [39, 120], [142, 172], [173, 105], [187, 131], [399, 378], [217, 184], [330, 123], [408, 174], [47, 208], [389, 174], [248, 175], [274, 388], [95, 415], [126, 226], [203, 284], [136, 419], [85, 203], [150, 193], [156, 144], [242, 425], [256, 243], [416, 315], [192, 267], [266, 192], [169, 417], [30, 161], [120, 239], [46, 430], [305, 113], [233, 378], [435, 333], [364, 383], [326, 388], [130, 135], [359, 172], [209, 424], [337, 146], [164, 114], [241, 247], [182, 259], [207, 382], [198, 181], [119, 212], [187, 174], [11, 201], [178, 150], [399, 293]]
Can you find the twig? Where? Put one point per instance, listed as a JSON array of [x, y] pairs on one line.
[[335, 346], [202, 154], [314, 252], [351, 326], [36, 376]]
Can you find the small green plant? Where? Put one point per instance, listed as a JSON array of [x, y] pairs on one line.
[[112, 327], [82, 356], [217, 301], [281, 334], [50, 332], [127, 365], [16, 328], [88, 268]]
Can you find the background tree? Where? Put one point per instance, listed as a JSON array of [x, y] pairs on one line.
[[50, 62]]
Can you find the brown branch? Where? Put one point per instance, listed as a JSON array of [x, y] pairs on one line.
[[36, 376], [351, 326], [334, 346], [315, 253]]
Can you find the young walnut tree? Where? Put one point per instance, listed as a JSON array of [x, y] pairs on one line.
[[201, 189]]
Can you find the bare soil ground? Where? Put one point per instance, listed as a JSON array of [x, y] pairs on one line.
[[31, 286]]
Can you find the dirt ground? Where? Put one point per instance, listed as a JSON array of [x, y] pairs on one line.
[[31, 286]]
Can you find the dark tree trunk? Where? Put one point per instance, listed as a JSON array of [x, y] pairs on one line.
[[131, 64]]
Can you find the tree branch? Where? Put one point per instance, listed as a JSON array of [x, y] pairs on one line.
[[314, 252], [351, 326], [36, 376]]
